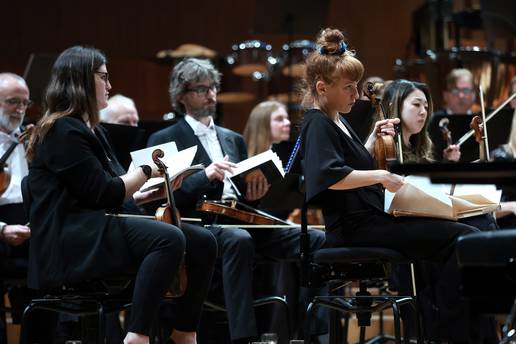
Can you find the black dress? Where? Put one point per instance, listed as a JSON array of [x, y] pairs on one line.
[[355, 217]]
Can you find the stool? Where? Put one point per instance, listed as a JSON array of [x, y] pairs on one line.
[[91, 298]]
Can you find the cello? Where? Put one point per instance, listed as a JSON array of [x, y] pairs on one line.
[[168, 213]]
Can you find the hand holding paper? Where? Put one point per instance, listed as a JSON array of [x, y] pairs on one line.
[[419, 197], [178, 164]]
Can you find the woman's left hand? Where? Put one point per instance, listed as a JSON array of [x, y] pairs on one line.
[[381, 128], [386, 127]]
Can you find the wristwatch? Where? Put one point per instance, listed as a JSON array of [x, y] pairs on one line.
[[147, 170]]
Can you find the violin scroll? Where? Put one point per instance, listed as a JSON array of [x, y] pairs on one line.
[[157, 155], [478, 127], [443, 126]]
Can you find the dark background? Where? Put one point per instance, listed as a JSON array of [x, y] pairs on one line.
[[131, 33]]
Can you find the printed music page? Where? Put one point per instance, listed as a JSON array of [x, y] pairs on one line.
[[419, 197], [144, 156], [178, 164]]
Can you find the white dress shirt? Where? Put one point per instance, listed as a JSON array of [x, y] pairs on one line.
[[17, 166], [210, 142]]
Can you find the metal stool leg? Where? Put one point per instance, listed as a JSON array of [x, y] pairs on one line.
[[397, 321], [101, 337]]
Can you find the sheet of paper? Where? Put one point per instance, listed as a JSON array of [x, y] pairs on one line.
[[424, 184], [144, 156]]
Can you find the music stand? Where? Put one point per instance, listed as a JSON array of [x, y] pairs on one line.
[[124, 139], [37, 74], [498, 130], [286, 194], [361, 118]]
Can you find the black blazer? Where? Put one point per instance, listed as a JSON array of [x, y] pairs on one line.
[[73, 181], [197, 185]]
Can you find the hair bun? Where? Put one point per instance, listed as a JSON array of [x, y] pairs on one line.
[[331, 42]]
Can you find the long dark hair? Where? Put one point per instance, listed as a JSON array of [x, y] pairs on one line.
[[393, 97], [70, 92]]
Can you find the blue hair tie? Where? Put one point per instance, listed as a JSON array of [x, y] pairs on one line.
[[343, 47]]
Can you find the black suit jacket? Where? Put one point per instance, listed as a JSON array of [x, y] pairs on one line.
[[196, 186], [72, 182]]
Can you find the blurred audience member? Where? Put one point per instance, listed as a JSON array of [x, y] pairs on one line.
[[120, 110]]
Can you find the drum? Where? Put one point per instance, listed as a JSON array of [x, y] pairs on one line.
[[250, 57], [235, 89], [294, 55]]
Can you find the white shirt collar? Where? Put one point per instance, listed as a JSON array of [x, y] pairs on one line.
[[198, 127]]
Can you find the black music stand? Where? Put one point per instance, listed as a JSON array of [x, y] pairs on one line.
[[361, 118], [498, 131], [124, 139], [288, 193], [37, 74]]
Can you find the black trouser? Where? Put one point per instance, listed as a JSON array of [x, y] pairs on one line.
[[237, 248], [159, 248], [423, 239]]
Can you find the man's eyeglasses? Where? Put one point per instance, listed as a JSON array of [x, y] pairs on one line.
[[202, 90], [465, 91], [26, 103], [104, 76]]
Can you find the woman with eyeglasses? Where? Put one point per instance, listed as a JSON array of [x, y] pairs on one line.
[[75, 180]]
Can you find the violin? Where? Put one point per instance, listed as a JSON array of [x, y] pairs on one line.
[[230, 209], [168, 213], [5, 175], [477, 126], [385, 146], [443, 126]]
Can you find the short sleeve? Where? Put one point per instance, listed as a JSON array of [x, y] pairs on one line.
[[324, 163]]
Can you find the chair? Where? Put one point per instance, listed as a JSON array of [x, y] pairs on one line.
[[492, 257], [367, 265], [89, 298], [98, 297]]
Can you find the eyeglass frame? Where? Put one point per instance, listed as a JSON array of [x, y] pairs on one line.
[[16, 102], [202, 90], [466, 91], [103, 75]]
